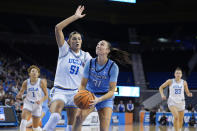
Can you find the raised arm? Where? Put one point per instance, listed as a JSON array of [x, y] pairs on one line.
[[22, 90], [187, 90], [59, 27], [164, 85]]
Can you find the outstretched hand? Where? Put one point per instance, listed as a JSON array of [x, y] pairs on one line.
[[79, 12], [163, 98], [189, 94]]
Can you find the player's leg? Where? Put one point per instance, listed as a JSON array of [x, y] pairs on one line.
[[71, 109], [105, 118], [56, 109], [36, 123], [71, 113], [80, 117], [25, 115], [181, 116], [175, 114], [105, 109], [36, 117]]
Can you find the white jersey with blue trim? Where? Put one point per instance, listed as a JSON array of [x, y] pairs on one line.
[[177, 91], [34, 92], [70, 67]]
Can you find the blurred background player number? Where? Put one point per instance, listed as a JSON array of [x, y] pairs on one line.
[[2, 114], [74, 69]]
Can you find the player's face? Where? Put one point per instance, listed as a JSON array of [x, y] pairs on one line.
[[34, 73], [102, 48], [178, 74], [75, 42]]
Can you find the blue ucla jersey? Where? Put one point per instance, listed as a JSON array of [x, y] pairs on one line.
[[99, 80], [177, 91]]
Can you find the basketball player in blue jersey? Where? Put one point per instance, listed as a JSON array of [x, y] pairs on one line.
[[33, 102], [100, 78], [70, 66], [176, 100]]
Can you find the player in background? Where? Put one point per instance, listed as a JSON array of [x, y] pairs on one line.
[[176, 100], [32, 104]]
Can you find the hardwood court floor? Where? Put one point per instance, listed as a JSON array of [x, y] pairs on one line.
[[135, 127]]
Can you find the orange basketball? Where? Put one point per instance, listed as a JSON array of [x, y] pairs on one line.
[[82, 99]]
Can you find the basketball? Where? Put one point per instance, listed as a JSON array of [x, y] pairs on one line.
[[82, 99]]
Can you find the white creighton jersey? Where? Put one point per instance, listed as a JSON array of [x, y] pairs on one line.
[[70, 67], [177, 91], [34, 92]]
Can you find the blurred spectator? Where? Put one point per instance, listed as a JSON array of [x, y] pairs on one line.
[[5, 86], [189, 107], [2, 94], [114, 108], [163, 120], [142, 109], [130, 106], [161, 109], [153, 116], [121, 107], [14, 90]]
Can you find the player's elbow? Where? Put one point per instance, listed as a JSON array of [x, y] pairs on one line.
[[57, 28]]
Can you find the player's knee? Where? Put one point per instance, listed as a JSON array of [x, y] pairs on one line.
[[176, 118], [57, 106], [104, 129], [79, 119]]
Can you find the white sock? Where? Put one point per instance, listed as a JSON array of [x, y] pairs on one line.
[[23, 125], [68, 128], [37, 129], [29, 123], [52, 122]]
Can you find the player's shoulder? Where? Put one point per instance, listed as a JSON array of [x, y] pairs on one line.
[[113, 63]]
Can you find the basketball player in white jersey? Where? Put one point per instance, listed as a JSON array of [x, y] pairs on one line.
[[70, 66], [32, 104], [176, 100]]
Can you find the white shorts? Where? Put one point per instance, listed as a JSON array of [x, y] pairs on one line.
[[34, 108], [67, 96], [179, 106]]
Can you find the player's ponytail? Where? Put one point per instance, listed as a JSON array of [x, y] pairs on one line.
[[119, 56]]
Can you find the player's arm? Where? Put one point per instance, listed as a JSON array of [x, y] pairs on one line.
[[59, 27], [84, 82], [187, 89], [22, 90], [110, 93], [164, 85], [44, 89]]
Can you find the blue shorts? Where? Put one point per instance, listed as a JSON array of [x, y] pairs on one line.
[[107, 103]]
